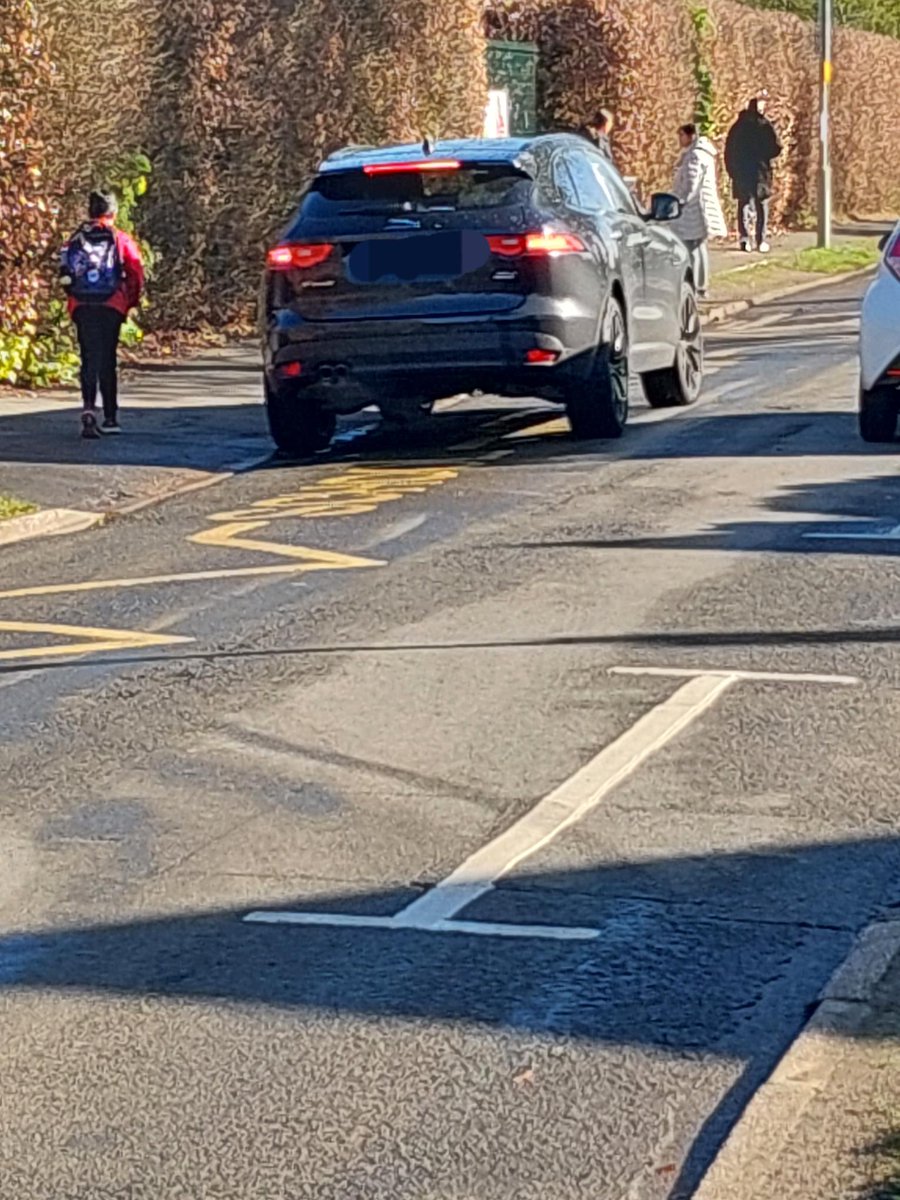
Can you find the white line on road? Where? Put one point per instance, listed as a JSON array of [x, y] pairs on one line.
[[734, 673], [566, 805], [345, 920], [884, 531], [558, 811], [553, 933]]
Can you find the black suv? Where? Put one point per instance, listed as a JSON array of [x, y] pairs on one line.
[[515, 267]]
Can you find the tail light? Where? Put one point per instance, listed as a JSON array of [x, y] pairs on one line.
[[405, 168], [535, 245], [892, 255], [296, 256]]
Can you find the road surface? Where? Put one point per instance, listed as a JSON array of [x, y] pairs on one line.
[[470, 815]]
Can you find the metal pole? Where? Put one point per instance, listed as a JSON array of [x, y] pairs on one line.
[[825, 39]]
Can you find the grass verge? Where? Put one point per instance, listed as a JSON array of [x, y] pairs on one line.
[[11, 507], [836, 261], [757, 275]]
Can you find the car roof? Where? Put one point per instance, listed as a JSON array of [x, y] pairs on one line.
[[469, 149]]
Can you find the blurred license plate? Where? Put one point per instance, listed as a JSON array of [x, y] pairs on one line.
[[417, 258]]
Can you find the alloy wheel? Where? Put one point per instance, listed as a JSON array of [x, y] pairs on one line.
[[690, 346]]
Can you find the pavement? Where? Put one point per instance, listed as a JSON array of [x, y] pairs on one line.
[[184, 422], [827, 1121], [473, 813], [741, 280], [727, 256]]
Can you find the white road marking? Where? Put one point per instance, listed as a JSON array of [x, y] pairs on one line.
[[553, 933], [567, 805], [735, 673], [866, 531], [558, 811], [345, 920]]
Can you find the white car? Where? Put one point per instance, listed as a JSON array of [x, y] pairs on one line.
[[879, 349]]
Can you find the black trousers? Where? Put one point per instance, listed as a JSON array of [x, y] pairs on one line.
[[751, 207], [98, 340]]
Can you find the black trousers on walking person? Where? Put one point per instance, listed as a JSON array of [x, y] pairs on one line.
[[98, 340], [748, 208]]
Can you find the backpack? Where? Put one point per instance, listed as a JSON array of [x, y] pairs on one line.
[[92, 266]]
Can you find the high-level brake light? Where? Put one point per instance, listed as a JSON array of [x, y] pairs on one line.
[[405, 168]]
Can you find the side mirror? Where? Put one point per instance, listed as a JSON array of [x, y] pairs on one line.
[[664, 207]]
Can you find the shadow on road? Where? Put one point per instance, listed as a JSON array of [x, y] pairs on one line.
[[715, 954], [207, 414], [850, 516], [883, 1160], [671, 640], [178, 439]]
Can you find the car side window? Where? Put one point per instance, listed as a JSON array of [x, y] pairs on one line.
[[587, 191], [563, 183], [615, 185]]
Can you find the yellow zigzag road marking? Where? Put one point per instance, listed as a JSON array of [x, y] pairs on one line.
[[231, 537], [97, 639], [102, 585], [557, 426], [311, 560], [359, 490]]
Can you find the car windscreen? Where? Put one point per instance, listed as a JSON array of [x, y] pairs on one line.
[[472, 187]]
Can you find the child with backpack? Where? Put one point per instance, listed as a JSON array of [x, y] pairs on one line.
[[103, 274]]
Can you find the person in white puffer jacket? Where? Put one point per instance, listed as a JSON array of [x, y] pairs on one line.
[[696, 186]]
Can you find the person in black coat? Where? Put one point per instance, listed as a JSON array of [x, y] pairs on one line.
[[751, 148], [597, 131]]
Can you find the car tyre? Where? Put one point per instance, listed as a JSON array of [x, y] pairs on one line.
[[878, 414], [299, 427], [597, 407], [680, 385]]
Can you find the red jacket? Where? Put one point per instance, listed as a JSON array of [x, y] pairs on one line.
[[132, 285]]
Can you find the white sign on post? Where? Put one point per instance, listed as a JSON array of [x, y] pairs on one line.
[[496, 115]]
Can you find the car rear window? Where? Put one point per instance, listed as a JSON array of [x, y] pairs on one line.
[[470, 188]]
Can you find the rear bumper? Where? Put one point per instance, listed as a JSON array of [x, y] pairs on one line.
[[432, 357]]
